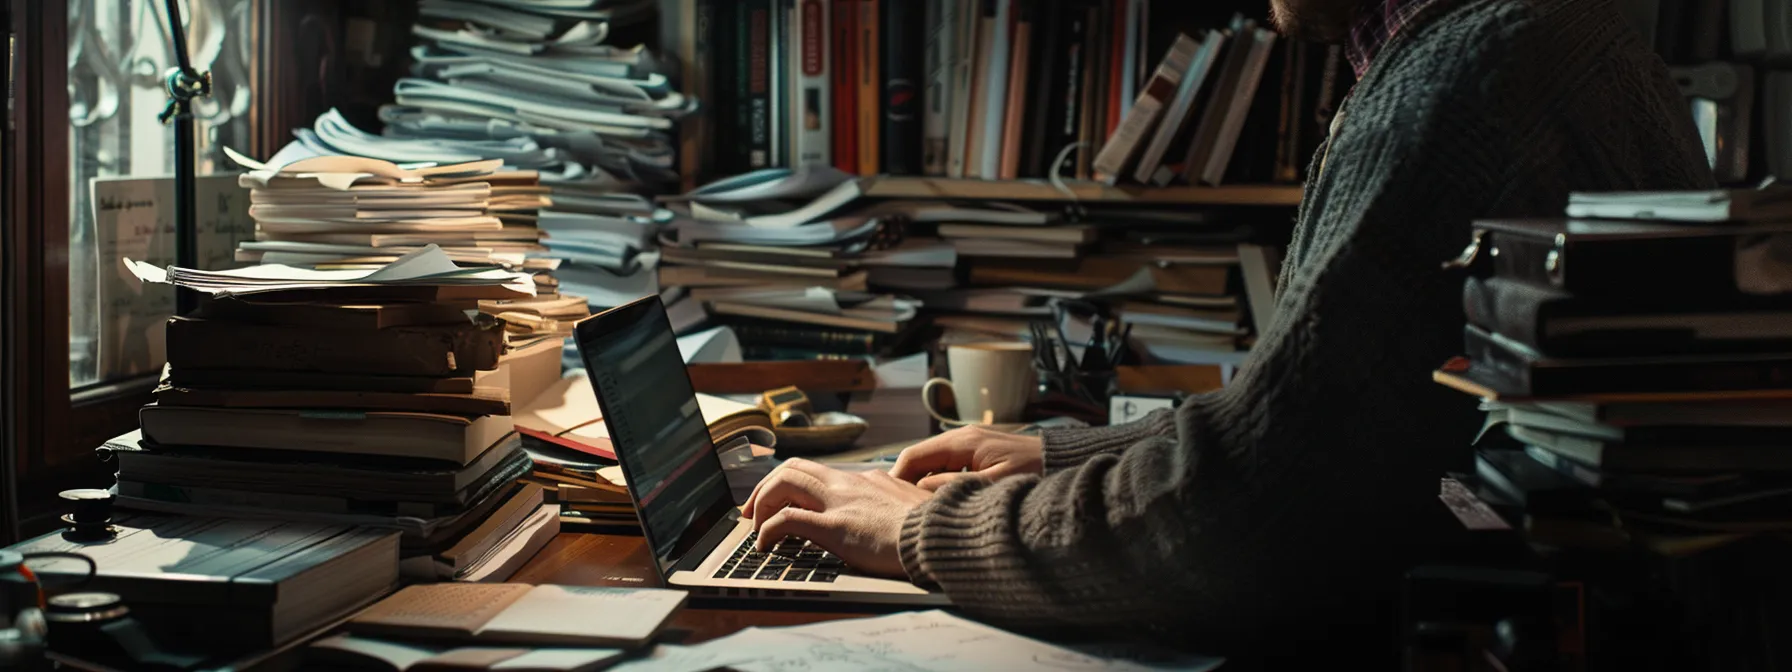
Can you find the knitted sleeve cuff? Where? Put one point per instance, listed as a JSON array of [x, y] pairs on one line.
[[1070, 448], [910, 548]]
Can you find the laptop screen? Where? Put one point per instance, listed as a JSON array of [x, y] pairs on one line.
[[655, 426]]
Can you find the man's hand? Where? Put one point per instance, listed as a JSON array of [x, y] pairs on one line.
[[857, 516], [985, 452]]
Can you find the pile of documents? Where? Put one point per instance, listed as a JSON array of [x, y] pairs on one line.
[[348, 212], [1645, 403], [780, 256], [541, 77], [378, 398]]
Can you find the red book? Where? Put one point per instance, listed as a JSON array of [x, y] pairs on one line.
[[846, 93], [1116, 66]]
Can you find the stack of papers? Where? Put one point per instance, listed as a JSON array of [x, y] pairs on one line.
[[929, 641], [429, 267], [539, 78], [348, 211]]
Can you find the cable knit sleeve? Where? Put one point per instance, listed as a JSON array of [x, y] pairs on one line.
[[1068, 448], [1292, 498]]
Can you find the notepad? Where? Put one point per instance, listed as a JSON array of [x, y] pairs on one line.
[[522, 614]]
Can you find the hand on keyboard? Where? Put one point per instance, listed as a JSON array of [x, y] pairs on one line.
[[857, 516]]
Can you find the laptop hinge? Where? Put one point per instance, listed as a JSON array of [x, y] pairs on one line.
[[694, 559]]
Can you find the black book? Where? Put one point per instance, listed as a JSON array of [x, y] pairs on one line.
[[903, 25], [1601, 258], [754, 57], [1066, 111], [1560, 324], [1513, 369], [1048, 61], [1531, 486]]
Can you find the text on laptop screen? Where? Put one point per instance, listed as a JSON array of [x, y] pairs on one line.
[[655, 426]]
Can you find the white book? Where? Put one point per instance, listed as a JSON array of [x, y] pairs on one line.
[[811, 93], [995, 92], [940, 57], [964, 59], [1151, 168], [1118, 154], [1129, 64]]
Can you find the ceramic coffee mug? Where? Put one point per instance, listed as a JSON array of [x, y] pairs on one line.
[[992, 383]]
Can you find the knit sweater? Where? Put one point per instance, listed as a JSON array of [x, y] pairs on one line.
[[1292, 496]]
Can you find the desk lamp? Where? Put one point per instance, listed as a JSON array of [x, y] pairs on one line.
[[184, 84]]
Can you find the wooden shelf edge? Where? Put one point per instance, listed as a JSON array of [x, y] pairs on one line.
[[1268, 195]]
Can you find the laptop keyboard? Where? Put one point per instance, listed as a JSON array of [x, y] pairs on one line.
[[792, 559]]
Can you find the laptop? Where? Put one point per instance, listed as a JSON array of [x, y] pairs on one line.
[[698, 538]]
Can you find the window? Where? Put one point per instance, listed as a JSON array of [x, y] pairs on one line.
[[118, 52]]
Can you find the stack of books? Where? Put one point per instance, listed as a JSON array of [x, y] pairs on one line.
[[784, 251], [1175, 280], [357, 397], [1005, 89], [1647, 403]]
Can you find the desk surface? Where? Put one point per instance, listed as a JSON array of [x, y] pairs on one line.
[[590, 559]]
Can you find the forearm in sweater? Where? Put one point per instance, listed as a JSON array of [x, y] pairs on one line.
[[1068, 448]]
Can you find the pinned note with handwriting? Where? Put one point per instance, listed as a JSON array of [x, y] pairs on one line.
[[134, 217]]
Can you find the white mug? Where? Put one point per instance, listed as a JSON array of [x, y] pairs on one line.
[[992, 383]]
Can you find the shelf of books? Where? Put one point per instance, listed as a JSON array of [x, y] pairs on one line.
[[1083, 191]]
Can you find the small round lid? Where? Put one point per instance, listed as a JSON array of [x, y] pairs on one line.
[[86, 607]]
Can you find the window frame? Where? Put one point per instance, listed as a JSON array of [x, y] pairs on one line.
[[53, 429]]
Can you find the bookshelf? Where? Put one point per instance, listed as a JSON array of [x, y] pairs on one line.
[[1081, 191]]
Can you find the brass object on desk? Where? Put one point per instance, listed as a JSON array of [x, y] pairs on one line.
[[801, 431]]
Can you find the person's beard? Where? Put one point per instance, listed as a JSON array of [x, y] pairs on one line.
[[1323, 21]]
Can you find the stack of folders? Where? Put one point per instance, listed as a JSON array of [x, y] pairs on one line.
[[1639, 361], [345, 397]]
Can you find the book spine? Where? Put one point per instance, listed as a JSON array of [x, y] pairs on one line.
[[825, 340], [1119, 151], [936, 123], [1018, 62], [1506, 308], [698, 132], [1116, 79], [760, 353], [404, 351], [811, 28], [779, 83], [846, 91], [995, 93], [1088, 93], [728, 61], [1044, 58], [1288, 120], [1067, 99], [1130, 81], [964, 58], [974, 131], [870, 88], [901, 77], [1262, 42], [755, 83]]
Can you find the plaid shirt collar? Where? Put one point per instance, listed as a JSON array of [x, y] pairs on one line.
[[1379, 22]]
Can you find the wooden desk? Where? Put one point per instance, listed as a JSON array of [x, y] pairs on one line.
[[587, 559]]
